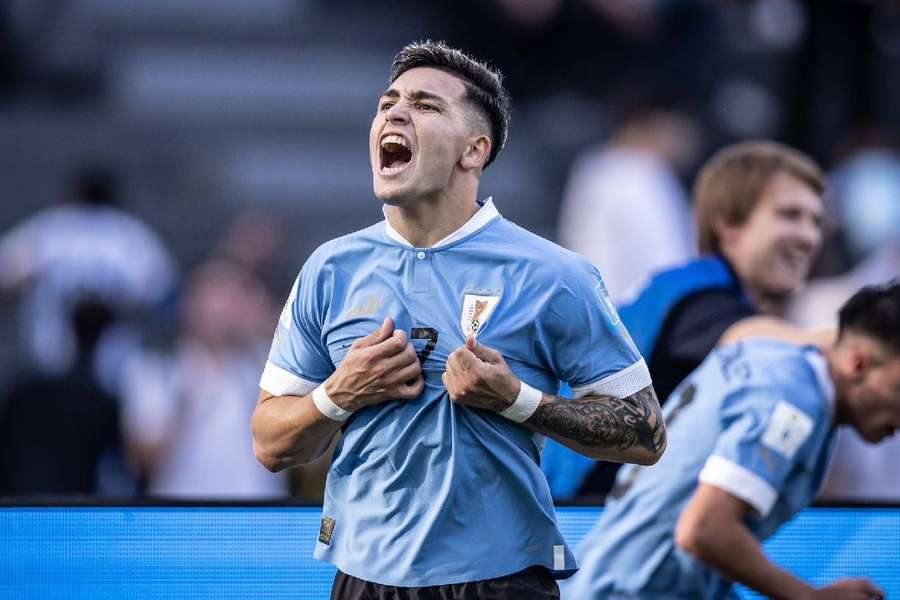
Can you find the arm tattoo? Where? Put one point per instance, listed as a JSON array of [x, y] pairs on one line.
[[606, 422]]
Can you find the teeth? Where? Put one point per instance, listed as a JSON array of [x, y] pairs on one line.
[[393, 139], [794, 256], [391, 170]]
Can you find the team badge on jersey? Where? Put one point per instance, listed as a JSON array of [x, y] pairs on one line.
[[476, 311], [788, 428]]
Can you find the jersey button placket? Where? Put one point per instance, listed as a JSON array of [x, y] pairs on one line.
[[422, 273]]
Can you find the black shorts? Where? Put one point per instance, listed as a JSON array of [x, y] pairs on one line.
[[533, 583]]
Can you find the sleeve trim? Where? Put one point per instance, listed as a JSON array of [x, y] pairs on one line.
[[626, 382], [280, 382], [740, 482]]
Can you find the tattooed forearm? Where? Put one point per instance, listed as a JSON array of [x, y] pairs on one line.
[[603, 422]]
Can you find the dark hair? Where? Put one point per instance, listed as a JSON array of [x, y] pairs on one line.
[[731, 183], [484, 85], [874, 311], [90, 318], [95, 185]]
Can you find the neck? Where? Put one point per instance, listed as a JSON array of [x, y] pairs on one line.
[[637, 138], [832, 356], [765, 302], [425, 222], [769, 304]]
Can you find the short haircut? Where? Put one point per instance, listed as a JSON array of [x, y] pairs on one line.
[[484, 85], [90, 317], [875, 312], [95, 185], [731, 183]]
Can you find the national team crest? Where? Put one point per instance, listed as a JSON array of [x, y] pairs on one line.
[[476, 311]]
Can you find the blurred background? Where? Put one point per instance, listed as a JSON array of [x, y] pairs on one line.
[[166, 166]]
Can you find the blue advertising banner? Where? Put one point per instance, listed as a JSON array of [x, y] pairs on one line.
[[265, 552]]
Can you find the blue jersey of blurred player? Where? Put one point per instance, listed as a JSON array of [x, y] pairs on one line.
[[750, 435], [435, 482]]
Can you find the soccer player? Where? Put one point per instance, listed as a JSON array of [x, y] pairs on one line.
[[434, 341], [750, 435], [759, 225]]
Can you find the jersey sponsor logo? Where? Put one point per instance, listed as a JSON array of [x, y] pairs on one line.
[[788, 428], [476, 311], [606, 303], [285, 318], [370, 306], [472, 288], [326, 528]]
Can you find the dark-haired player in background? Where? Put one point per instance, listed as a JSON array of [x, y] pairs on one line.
[[750, 435]]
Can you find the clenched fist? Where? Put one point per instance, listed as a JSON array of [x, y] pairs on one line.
[[379, 367], [478, 376]]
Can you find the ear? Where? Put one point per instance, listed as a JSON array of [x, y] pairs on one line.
[[858, 363], [725, 232], [476, 154]]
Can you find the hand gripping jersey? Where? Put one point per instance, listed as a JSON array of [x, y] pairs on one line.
[[426, 492], [755, 419]]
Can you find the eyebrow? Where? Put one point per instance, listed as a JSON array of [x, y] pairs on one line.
[[414, 95]]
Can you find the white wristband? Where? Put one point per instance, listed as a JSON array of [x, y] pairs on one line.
[[526, 403], [327, 407]]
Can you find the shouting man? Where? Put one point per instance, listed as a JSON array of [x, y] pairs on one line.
[[434, 342]]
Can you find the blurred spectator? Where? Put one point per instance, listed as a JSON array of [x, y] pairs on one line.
[[58, 431], [10, 59], [866, 198], [759, 223], [187, 412], [254, 241], [866, 187], [624, 207], [637, 19], [86, 246]]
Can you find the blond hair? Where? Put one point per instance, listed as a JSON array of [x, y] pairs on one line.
[[731, 183]]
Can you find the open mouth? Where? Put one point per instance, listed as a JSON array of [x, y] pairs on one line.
[[795, 259], [394, 153]]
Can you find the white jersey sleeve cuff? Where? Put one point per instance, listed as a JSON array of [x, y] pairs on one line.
[[626, 382], [279, 382], [740, 482]]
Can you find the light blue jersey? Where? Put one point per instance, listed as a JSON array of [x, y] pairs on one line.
[[427, 492], [754, 419]]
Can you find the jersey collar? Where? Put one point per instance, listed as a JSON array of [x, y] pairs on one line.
[[819, 365], [480, 219]]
